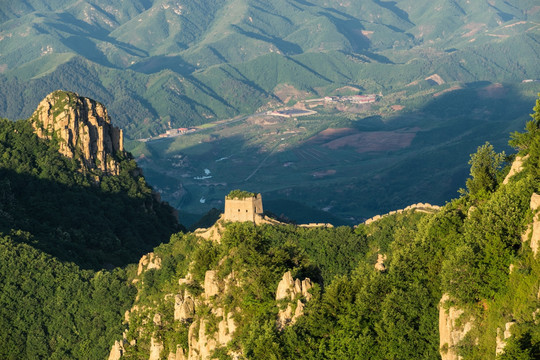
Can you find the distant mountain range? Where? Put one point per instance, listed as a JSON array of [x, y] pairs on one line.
[[168, 63]]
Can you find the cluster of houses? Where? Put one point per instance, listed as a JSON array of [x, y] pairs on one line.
[[176, 132], [355, 99]]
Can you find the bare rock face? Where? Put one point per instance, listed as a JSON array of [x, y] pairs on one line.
[[155, 349], [116, 351], [502, 336], [200, 344], [211, 283], [289, 289], [179, 355], [535, 237], [285, 286], [517, 167], [184, 307], [450, 333], [83, 129], [147, 262], [379, 265]]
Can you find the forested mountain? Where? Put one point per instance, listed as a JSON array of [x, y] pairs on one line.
[[64, 217], [76, 212], [421, 283], [163, 63], [417, 284]]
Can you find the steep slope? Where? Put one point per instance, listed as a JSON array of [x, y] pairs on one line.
[[78, 194]]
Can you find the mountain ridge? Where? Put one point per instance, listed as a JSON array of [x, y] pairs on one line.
[[400, 33]]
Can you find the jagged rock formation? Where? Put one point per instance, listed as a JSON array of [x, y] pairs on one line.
[[147, 262], [452, 329], [83, 129], [201, 343], [290, 290], [178, 355], [184, 307]]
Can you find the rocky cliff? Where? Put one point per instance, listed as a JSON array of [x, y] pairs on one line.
[[82, 128]]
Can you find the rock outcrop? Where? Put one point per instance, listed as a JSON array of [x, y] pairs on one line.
[[379, 265], [184, 307], [291, 290], [535, 237], [502, 336], [178, 355], [211, 284], [82, 128], [202, 344], [517, 167], [116, 351], [147, 262], [452, 329], [156, 348]]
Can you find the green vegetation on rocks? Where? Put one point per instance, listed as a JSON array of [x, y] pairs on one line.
[[240, 194]]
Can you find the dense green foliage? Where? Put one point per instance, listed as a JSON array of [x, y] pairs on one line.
[[240, 194], [485, 165], [55, 310]]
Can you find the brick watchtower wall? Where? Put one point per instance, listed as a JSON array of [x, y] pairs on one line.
[[240, 210]]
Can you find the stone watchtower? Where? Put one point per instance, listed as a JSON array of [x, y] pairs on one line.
[[243, 206]]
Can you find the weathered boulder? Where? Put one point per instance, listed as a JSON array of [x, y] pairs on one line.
[[83, 128]]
